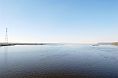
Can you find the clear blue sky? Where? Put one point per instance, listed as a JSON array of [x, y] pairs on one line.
[[73, 21]]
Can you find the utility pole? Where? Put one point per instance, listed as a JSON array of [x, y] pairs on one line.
[[6, 37]]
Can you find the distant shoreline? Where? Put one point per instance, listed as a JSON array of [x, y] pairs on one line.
[[115, 43], [13, 44], [112, 43]]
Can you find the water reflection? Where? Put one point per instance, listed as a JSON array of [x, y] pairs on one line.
[[6, 61], [6, 55]]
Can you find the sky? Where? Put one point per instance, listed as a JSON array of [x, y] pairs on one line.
[[56, 21]]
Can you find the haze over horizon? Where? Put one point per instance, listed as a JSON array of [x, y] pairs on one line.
[[69, 21]]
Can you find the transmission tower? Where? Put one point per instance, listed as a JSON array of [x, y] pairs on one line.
[[6, 36]]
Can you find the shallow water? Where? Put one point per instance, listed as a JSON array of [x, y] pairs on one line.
[[59, 61]]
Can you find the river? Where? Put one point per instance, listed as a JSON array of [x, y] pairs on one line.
[[59, 61]]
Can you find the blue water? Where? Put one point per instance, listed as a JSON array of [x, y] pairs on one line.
[[60, 60]]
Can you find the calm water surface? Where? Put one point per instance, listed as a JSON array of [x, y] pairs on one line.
[[59, 61]]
